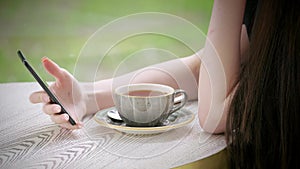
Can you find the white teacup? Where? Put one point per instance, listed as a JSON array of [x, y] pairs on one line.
[[147, 104]]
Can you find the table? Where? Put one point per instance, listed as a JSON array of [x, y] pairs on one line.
[[28, 139]]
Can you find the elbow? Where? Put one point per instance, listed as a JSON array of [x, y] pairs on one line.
[[213, 125]]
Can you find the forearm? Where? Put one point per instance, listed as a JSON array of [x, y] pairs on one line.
[[180, 73]]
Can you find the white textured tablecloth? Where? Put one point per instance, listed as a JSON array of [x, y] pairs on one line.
[[28, 139]]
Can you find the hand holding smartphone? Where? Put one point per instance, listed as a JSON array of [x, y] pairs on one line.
[[53, 98]]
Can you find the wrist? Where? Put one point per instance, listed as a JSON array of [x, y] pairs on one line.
[[97, 95]]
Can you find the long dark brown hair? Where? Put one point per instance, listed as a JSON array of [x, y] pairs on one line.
[[264, 116]]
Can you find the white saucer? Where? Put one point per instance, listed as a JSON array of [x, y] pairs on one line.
[[177, 119]]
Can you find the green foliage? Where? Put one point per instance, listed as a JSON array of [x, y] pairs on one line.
[[59, 30]]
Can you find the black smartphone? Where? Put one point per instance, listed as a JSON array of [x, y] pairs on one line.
[[53, 98]]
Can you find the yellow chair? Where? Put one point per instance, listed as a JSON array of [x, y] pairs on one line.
[[216, 161]]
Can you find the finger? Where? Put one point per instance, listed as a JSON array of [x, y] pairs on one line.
[[39, 97], [53, 69], [51, 109], [79, 125], [63, 121], [60, 118]]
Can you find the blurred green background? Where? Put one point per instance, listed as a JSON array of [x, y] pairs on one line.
[[59, 29]]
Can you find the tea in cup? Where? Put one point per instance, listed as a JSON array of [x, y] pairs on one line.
[[147, 104]]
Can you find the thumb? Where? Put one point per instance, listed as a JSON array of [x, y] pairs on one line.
[[53, 69]]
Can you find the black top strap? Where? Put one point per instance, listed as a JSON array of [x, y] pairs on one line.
[[249, 15]]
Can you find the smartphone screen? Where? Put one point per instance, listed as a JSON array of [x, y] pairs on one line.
[[44, 85]]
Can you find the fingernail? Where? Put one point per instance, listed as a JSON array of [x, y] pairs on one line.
[[80, 125], [66, 117], [44, 58], [45, 99], [56, 109]]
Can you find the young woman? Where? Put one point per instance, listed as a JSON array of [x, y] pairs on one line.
[[250, 91]]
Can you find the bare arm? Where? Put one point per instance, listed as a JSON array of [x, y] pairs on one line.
[[179, 73], [81, 99], [220, 64]]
